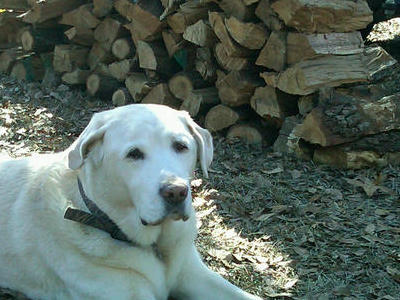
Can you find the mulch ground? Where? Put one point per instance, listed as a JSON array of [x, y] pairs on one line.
[[273, 225]]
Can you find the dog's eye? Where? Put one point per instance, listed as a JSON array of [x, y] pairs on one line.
[[135, 154], [180, 147]]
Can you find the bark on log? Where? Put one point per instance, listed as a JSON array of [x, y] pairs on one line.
[[301, 46], [101, 86], [7, 59], [324, 16], [29, 68], [68, 57], [121, 97], [41, 39], [173, 42], [81, 36], [249, 35], [273, 55], [81, 17], [99, 55], [76, 77], [222, 116], [189, 13], [205, 64]]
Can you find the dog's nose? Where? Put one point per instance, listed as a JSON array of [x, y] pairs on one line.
[[174, 193]]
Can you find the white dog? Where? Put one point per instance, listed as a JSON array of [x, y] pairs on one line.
[[111, 217]]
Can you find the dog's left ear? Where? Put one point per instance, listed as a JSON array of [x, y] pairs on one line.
[[93, 132], [204, 143]]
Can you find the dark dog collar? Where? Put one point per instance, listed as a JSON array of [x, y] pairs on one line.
[[96, 218]]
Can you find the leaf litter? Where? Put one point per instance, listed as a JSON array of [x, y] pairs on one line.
[[274, 225]]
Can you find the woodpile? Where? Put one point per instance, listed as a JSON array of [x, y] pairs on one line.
[[294, 74]]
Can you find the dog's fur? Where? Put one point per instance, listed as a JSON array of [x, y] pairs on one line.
[[48, 257]]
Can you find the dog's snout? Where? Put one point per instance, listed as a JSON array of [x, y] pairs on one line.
[[174, 192]]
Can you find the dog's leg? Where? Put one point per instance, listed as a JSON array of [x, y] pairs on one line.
[[197, 282]]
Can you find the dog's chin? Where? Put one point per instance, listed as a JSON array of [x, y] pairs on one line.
[[172, 216]]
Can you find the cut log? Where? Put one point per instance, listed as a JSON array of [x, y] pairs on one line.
[[144, 17], [249, 35], [81, 36], [121, 97], [81, 17], [230, 63], [237, 9], [76, 77], [221, 116], [120, 70], [10, 29], [266, 14], [123, 48], [102, 8], [161, 95], [270, 78], [273, 55], [98, 54], [68, 57], [302, 46], [246, 133], [372, 151], [47, 9], [324, 16], [237, 87], [189, 13], [200, 34], [231, 47], [172, 41], [269, 102], [205, 64], [28, 68], [344, 118], [306, 77], [101, 86], [138, 86], [20, 5], [41, 39], [7, 59], [182, 84], [200, 100], [108, 31], [154, 56]]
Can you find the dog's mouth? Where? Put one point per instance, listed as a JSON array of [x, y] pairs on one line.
[[176, 216]]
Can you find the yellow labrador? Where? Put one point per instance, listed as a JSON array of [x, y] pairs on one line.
[[111, 217]]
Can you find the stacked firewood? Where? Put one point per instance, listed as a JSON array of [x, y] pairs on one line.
[[247, 68]]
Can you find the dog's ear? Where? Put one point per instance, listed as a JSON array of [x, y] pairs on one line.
[[204, 143], [93, 132]]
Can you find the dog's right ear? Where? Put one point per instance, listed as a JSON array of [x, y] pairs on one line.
[[93, 132]]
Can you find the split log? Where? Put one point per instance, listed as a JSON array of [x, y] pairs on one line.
[[205, 64], [68, 57], [160, 95], [41, 39], [302, 46], [344, 118], [273, 55], [144, 17], [307, 103], [101, 86], [249, 35], [377, 150], [306, 77], [269, 102], [154, 56], [324, 16], [182, 84], [188, 13], [138, 85], [76, 77], [102, 8], [230, 63], [123, 48], [99, 55], [200, 34], [237, 87], [121, 97], [222, 116], [173, 42], [120, 70], [108, 31], [237, 9], [81, 36], [200, 100], [231, 47], [20, 5], [246, 133], [81, 17], [28, 68], [266, 14], [48, 9]]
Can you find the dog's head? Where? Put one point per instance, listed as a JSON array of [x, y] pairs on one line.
[[142, 157]]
